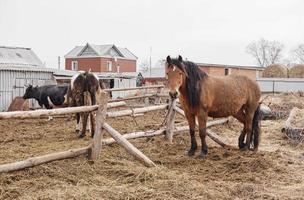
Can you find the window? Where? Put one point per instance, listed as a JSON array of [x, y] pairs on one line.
[[226, 71], [75, 65], [109, 65]]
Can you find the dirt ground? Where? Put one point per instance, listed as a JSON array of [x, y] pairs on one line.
[[275, 172]]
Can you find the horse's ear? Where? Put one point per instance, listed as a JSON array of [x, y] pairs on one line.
[[180, 59], [169, 60]]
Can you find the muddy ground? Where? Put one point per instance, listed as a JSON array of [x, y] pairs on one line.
[[275, 172]]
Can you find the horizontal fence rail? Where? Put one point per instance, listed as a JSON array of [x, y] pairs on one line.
[[58, 111], [71, 110], [134, 88], [136, 111], [133, 97]]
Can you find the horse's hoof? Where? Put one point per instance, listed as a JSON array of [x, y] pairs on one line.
[[245, 148], [81, 136], [255, 150], [191, 152], [202, 156], [242, 145]]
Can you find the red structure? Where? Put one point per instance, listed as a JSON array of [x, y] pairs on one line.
[[100, 58]]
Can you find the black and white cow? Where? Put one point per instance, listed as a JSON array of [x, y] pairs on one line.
[[48, 96]]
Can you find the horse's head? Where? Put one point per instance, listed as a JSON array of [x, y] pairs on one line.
[[29, 92], [176, 75]]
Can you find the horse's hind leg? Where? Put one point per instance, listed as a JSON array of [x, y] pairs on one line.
[[92, 118], [248, 128], [78, 123], [191, 122], [240, 116], [84, 119]]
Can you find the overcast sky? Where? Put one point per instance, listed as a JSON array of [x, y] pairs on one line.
[[214, 31]]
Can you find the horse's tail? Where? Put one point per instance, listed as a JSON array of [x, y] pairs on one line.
[[256, 128]]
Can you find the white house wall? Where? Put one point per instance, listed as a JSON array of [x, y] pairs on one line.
[[124, 83]]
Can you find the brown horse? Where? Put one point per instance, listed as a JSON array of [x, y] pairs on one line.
[[83, 91], [202, 95]]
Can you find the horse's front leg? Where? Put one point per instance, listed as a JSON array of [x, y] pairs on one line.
[[191, 122], [78, 123], [202, 120], [93, 98]]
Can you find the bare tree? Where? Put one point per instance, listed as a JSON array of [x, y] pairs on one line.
[[160, 63], [298, 53], [265, 52], [144, 66]]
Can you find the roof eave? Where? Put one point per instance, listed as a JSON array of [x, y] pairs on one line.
[[84, 48], [73, 57], [229, 66]]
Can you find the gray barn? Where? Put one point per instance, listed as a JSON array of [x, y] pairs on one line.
[[18, 67]]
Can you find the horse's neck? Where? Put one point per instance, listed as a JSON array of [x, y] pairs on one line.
[[183, 93], [182, 90]]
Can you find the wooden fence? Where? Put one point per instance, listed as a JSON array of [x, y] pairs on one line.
[[94, 148]]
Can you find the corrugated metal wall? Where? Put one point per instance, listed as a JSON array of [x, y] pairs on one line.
[[281, 84], [12, 84]]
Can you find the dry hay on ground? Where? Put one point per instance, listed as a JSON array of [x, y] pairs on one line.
[[298, 119], [297, 71], [275, 71], [19, 104], [275, 172], [294, 125], [281, 104]]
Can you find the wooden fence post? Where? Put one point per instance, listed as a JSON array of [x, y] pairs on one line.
[[100, 120], [158, 98], [170, 120], [146, 100]]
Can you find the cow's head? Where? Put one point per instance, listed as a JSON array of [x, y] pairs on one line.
[[30, 92]]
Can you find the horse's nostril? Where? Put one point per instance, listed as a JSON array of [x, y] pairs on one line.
[[173, 95]]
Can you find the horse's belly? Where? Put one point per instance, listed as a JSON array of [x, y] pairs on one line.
[[219, 114], [224, 110]]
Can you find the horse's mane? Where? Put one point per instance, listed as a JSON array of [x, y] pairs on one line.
[[194, 75]]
